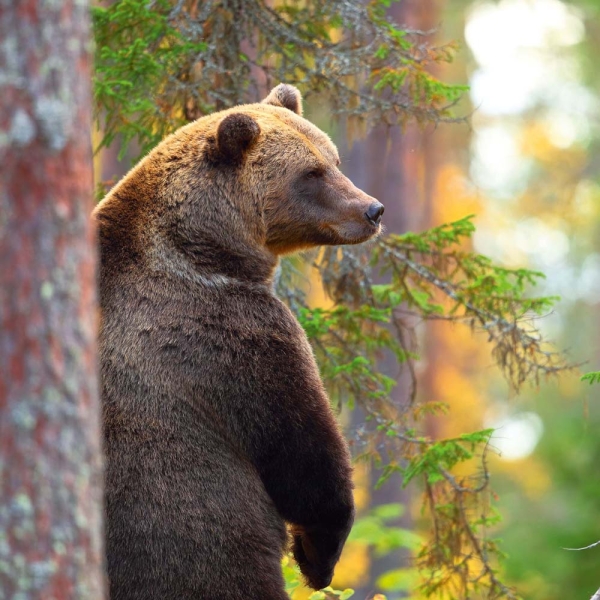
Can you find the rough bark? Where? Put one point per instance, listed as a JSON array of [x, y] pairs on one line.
[[50, 478]]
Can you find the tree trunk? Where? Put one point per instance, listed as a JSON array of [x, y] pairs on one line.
[[398, 168], [50, 467]]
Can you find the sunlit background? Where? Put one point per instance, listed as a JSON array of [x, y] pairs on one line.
[[530, 173], [527, 165], [534, 166]]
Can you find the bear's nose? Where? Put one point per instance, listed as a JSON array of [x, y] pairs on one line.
[[374, 213]]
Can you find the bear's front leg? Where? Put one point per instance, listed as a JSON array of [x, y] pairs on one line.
[[317, 551], [265, 389]]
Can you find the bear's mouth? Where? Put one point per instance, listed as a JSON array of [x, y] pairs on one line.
[[355, 233], [376, 229]]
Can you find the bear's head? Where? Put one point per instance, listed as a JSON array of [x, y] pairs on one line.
[[293, 165], [234, 190]]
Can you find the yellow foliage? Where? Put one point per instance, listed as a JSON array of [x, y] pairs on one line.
[[96, 137], [316, 295], [569, 387], [586, 201], [535, 585], [361, 478], [453, 387], [536, 143], [353, 568], [530, 473], [453, 197]]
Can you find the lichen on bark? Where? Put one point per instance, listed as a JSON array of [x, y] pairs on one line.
[[50, 466]]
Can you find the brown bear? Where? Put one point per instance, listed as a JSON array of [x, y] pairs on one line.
[[217, 428]]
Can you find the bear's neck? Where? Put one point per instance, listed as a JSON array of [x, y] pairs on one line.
[[220, 232], [212, 258], [129, 236]]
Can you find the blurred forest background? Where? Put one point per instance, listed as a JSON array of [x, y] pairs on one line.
[[520, 150], [529, 169]]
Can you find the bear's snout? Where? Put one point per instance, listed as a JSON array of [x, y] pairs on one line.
[[374, 213]]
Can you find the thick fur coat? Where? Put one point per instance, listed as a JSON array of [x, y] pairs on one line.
[[217, 428]]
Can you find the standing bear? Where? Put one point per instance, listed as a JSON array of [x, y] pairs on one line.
[[217, 428]]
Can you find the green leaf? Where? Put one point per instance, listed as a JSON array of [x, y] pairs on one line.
[[399, 580], [388, 511], [592, 377]]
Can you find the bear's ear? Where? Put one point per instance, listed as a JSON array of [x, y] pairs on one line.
[[286, 96], [235, 135]]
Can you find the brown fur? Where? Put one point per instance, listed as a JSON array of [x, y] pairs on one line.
[[217, 428]]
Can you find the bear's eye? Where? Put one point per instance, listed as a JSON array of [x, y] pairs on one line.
[[314, 173]]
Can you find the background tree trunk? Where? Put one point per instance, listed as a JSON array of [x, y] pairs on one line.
[[398, 168], [50, 467]]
